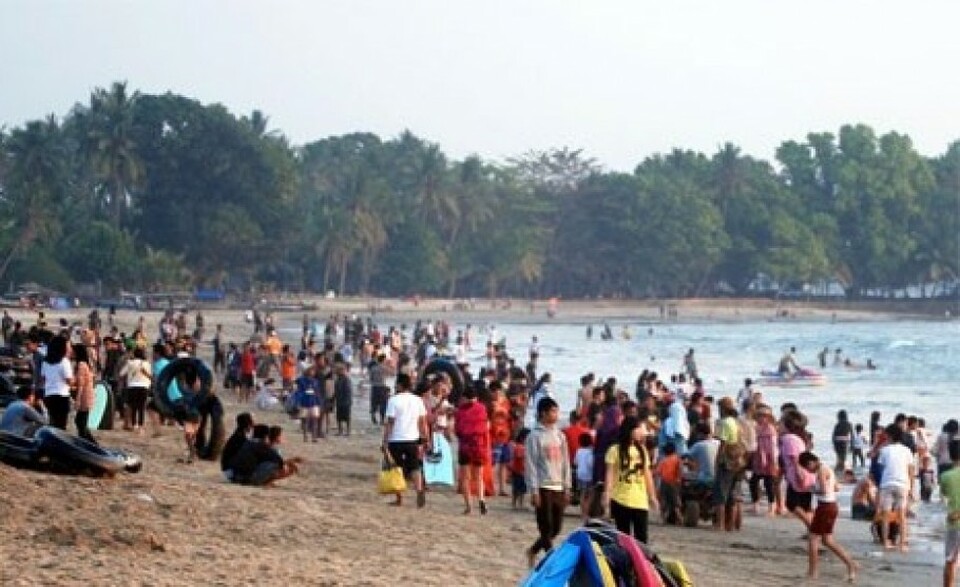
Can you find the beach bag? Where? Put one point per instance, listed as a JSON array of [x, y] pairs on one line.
[[391, 479]]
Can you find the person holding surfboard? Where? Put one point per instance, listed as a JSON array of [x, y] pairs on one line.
[[84, 391]]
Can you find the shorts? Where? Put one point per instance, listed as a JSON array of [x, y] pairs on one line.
[[500, 454], [468, 455], [799, 499], [951, 544], [311, 412], [893, 498], [470, 451], [726, 487], [519, 484], [859, 511], [406, 455], [246, 380], [824, 517], [584, 485]]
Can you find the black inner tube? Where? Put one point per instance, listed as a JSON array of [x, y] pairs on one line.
[[455, 374], [191, 370]]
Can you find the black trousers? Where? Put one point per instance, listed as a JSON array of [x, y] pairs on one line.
[[549, 519], [58, 408], [767, 486], [83, 431], [137, 396], [631, 521]]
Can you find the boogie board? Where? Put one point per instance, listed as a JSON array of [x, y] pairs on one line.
[[438, 466], [101, 399]]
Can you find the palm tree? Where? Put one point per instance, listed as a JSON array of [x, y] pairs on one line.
[[114, 154], [32, 187]]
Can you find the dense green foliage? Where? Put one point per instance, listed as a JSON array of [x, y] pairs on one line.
[[145, 191]]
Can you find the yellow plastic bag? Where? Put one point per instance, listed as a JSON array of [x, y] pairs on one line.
[[391, 480]]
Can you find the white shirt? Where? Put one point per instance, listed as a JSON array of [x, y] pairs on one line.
[[137, 373], [405, 409], [896, 460], [56, 378]]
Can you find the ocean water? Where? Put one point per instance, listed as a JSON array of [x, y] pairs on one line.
[[918, 363]]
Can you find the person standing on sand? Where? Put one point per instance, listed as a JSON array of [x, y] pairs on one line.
[[824, 518], [405, 434], [56, 376], [548, 476], [896, 484], [343, 398], [799, 500], [85, 394], [473, 436], [628, 490], [950, 490]]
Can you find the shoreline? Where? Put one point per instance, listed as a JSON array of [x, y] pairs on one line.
[[175, 524]]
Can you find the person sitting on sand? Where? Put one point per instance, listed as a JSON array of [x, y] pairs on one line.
[[20, 417], [259, 462], [863, 502], [235, 443], [824, 517]]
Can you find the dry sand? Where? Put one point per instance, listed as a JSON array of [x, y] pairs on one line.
[[178, 524]]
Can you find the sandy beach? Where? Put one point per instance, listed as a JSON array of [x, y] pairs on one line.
[[180, 524]]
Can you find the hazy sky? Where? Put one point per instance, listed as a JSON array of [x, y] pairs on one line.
[[620, 79]]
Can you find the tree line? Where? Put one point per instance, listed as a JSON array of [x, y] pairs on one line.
[[153, 192]]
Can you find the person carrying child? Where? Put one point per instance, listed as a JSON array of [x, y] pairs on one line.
[[824, 517]]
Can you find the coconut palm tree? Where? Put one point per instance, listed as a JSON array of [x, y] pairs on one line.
[[114, 153], [32, 187]]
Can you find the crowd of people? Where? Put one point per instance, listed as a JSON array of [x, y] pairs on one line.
[[618, 454]]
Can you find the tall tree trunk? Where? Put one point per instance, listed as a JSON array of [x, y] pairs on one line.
[[343, 275], [326, 275], [9, 258], [118, 201]]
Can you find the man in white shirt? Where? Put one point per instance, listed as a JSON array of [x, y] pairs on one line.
[[896, 484], [405, 434]]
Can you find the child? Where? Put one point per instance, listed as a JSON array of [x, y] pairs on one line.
[[950, 490], [927, 477], [824, 517], [308, 404], [859, 441], [583, 465], [668, 472], [517, 481]]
